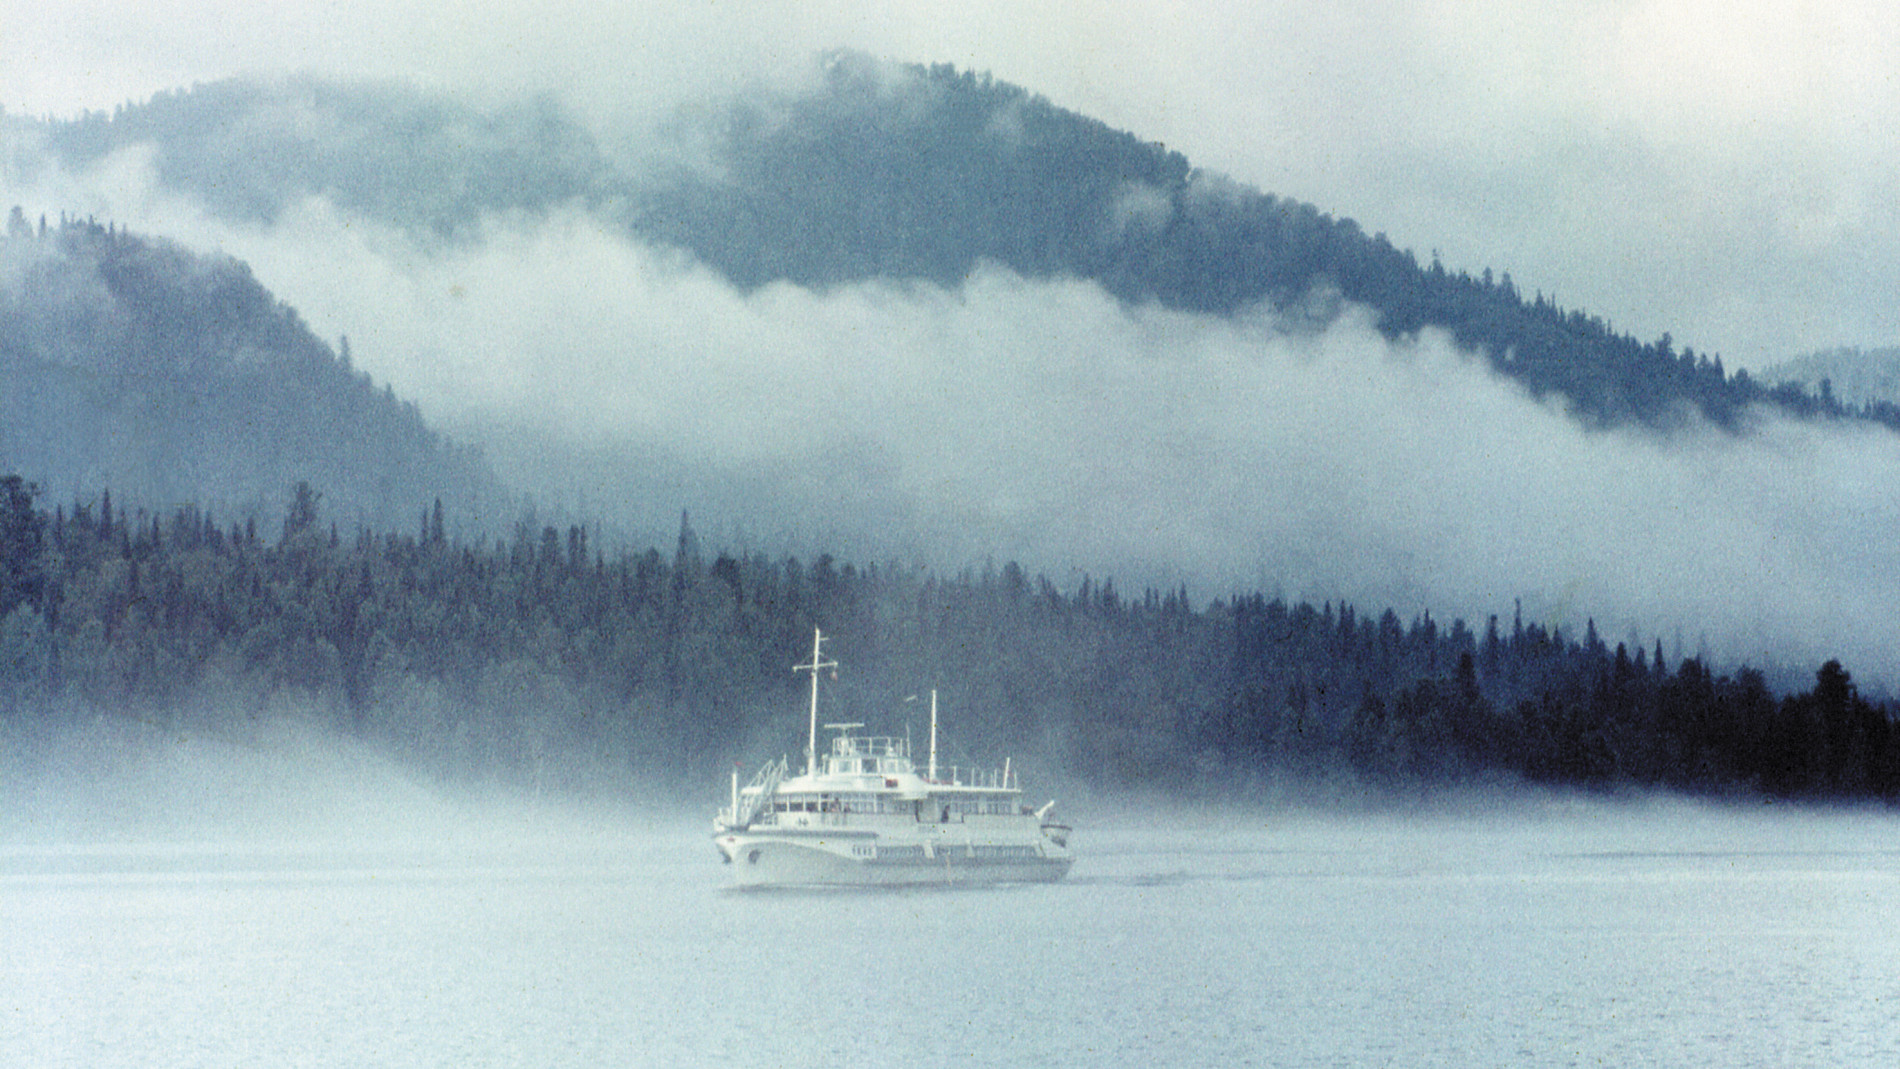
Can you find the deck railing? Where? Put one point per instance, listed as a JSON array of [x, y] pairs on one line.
[[987, 778]]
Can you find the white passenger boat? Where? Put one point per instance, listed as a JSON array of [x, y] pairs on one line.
[[865, 814]]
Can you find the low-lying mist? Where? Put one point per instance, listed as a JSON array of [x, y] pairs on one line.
[[286, 780], [294, 784], [1041, 420]]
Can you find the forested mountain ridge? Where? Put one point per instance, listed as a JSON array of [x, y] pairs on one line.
[[924, 172], [883, 171], [131, 364], [545, 660]]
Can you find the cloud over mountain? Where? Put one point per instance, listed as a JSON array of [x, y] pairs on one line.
[[1010, 414]]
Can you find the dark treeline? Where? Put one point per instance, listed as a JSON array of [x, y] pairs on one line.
[[543, 657]]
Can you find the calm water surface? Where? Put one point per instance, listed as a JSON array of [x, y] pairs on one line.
[[1586, 934]]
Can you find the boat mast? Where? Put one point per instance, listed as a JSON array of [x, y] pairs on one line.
[[933, 736], [818, 664]]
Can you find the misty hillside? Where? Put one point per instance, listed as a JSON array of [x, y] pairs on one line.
[[251, 149], [887, 172], [1857, 377], [132, 365], [927, 172]]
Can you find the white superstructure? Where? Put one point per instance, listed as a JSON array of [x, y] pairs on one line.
[[864, 814]]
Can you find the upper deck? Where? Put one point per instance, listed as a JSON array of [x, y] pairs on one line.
[[883, 755], [888, 756], [874, 762]]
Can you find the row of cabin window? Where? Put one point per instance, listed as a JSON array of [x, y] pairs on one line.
[[993, 807], [866, 803], [848, 765], [872, 804], [1004, 851]]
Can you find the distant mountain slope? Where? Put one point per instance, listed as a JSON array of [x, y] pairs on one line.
[[251, 148], [887, 171], [135, 366], [925, 172]]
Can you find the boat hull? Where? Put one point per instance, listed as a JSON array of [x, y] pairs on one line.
[[773, 860]]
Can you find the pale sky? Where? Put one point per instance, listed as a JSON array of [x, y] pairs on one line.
[[1722, 171]]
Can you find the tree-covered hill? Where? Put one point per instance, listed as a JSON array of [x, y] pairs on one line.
[[133, 364], [925, 172], [882, 171]]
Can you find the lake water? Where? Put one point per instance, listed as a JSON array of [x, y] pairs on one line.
[[1566, 933]]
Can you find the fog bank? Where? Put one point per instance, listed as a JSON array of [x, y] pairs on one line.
[[280, 781], [1042, 421]]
